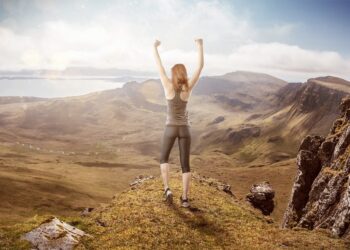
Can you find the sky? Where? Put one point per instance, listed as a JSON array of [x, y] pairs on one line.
[[293, 40]]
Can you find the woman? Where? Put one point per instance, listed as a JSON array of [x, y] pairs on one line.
[[177, 92]]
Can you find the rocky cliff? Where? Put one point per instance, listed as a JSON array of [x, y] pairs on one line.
[[309, 107], [320, 195]]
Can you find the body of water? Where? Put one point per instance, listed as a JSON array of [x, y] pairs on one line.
[[55, 87]]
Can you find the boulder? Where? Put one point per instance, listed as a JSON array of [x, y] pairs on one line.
[[261, 196], [54, 235]]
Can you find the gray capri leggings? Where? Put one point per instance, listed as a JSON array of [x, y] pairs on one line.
[[183, 133]]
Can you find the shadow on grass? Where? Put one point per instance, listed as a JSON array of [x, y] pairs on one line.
[[196, 219]]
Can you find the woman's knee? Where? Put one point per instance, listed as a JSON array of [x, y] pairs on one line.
[[163, 160], [186, 169]]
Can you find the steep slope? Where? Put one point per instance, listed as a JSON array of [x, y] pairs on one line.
[[294, 111], [302, 106], [138, 218], [85, 119], [320, 196]]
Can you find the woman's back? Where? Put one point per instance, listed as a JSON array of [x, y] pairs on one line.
[[177, 113]]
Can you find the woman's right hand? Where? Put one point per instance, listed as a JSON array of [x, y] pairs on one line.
[[199, 41]]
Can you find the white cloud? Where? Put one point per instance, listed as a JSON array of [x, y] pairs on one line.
[[286, 61], [122, 35], [280, 30]]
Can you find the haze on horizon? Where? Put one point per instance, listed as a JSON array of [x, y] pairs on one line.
[[293, 40]]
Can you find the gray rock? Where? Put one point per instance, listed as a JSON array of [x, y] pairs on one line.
[[311, 143], [320, 195], [54, 235], [342, 144], [86, 211], [336, 125], [261, 196], [309, 165], [139, 180], [222, 186]]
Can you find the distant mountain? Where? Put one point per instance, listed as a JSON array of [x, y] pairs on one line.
[[228, 112], [139, 107], [20, 99], [77, 71], [250, 83], [288, 114], [253, 77]]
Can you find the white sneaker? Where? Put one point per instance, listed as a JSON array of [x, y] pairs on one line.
[[168, 195], [184, 202]]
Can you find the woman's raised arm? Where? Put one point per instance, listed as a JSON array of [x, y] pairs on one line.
[[164, 78], [192, 82]]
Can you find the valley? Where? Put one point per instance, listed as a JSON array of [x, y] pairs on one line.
[[246, 128]]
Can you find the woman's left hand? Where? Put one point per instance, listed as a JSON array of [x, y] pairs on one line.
[[156, 43]]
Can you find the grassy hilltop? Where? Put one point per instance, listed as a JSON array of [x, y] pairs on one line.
[[138, 218]]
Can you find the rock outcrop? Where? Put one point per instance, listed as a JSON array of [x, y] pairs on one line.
[[222, 186], [54, 234], [261, 196], [217, 120], [320, 195], [245, 131], [307, 108], [140, 179], [317, 94]]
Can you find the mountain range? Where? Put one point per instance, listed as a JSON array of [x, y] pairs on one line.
[[245, 126]]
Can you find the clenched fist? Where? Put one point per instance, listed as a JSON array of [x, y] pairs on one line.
[[156, 43], [199, 41]]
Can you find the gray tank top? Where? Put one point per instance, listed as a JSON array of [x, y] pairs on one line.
[[177, 113]]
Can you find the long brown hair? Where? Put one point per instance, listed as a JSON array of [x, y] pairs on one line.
[[179, 76]]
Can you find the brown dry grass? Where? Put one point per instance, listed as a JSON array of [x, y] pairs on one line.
[[139, 219]]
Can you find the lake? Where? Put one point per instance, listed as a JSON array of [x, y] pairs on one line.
[[55, 87]]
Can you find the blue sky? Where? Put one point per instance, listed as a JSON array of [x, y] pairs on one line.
[[317, 24], [293, 40]]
